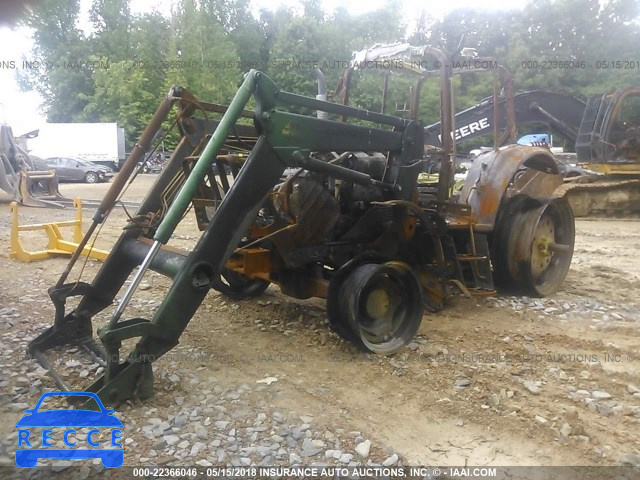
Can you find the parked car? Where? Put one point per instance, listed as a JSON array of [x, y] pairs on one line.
[[156, 163], [75, 169], [114, 165]]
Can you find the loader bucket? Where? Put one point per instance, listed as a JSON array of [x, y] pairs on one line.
[[20, 178], [9, 179], [40, 189]]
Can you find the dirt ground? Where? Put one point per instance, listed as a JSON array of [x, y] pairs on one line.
[[488, 381]]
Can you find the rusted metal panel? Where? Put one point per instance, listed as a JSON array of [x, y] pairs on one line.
[[508, 171]]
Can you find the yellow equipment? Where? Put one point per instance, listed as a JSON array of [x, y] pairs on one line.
[[57, 244], [25, 179]]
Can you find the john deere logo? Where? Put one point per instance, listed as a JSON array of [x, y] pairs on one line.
[[101, 440]]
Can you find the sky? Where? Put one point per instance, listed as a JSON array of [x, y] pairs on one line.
[[23, 112]]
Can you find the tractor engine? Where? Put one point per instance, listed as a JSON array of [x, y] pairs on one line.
[[340, 240], [326, 215]]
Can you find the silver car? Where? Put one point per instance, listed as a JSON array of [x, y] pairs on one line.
[[75, 169]]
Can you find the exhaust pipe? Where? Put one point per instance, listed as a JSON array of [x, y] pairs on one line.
[[322, 91]]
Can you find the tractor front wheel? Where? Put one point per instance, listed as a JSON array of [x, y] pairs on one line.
[[377, 306], [238, 287]]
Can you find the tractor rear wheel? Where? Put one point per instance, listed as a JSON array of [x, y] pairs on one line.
[[535, 247]]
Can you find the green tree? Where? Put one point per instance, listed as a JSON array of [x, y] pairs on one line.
[[150, 38], [112, 22], [123, 94], [58, 45], [206, 45], [201, 56], [129, 90], [328, 41]]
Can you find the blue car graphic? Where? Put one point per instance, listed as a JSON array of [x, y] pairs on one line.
[[69, 418]]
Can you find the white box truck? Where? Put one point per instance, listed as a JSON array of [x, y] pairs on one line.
[[101, 143]]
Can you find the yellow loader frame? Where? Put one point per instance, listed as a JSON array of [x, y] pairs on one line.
[[57, 244]]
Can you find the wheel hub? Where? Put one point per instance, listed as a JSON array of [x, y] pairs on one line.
[[539, 247], [377, 303], [541, 255], [381, 306]]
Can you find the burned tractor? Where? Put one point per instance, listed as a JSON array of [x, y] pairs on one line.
[[320, 207]]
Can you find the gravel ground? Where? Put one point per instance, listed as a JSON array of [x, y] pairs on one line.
[[489, 381]]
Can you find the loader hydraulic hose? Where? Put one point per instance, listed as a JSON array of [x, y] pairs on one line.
[[188, 190], [136, 155], [120, 180]]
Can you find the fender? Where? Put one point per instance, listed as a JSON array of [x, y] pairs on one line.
[[502, 174]]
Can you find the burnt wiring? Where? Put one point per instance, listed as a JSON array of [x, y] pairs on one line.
[[119, 201], [139, 220]]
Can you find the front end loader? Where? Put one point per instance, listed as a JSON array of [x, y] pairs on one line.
[[21, 179], [321, 207]]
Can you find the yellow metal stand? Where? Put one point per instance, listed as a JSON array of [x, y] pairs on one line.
[[57, 245]]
